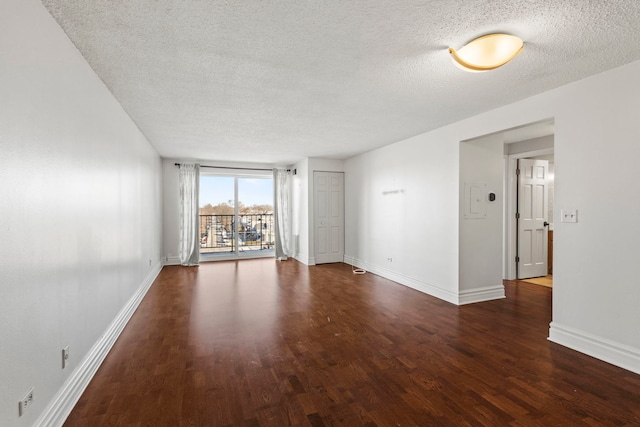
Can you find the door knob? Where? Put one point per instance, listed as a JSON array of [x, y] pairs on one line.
[[546, 224]]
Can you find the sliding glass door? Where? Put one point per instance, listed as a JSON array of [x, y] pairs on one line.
[[217, 212], [236, 216]]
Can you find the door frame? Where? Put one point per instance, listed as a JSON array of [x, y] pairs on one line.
[[236, 174], [510, 209]]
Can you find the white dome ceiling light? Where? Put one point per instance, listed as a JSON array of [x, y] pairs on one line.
[[487, 52]]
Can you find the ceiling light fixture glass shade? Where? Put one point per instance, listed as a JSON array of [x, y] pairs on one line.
[[487, 52]]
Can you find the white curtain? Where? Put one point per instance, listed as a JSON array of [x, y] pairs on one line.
[[189, 250], [282, 212]]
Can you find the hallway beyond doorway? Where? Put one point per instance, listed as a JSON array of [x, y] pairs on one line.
[[542, 281]]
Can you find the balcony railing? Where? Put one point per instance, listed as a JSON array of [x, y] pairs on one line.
[[254, 232]]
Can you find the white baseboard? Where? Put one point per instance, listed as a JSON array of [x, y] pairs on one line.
[[66, 398], [488, 293], [171, 260], [611, 352], [301, 258], [305, 259], [410, 282]]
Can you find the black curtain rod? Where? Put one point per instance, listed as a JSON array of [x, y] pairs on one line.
[[228, 167]]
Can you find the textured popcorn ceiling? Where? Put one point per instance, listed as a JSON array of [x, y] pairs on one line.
[[276, 81]]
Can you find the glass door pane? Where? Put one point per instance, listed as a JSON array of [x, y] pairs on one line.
[[217, 212], [255, 216]]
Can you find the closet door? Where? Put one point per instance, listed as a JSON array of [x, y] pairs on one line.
[[328, 216], [533, 214]]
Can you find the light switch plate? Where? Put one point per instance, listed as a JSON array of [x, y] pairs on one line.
[[569, 215]]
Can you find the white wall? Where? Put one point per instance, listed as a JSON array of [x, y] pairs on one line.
[[535, 144], [481, 165], [401, 203], [596, 132], [302, 204], [80, 202], [300, 211], [170, 212], [596, 147]]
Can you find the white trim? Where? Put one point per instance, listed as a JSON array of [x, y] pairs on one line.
[[510, 216], [237, 171], [612, 352], [533, 153], [303, 258], [212, 257], [470, 296], [68, 395], [172, 260], [410, 282]]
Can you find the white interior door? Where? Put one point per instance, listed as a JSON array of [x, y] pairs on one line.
[[328, 188], [533, 212]]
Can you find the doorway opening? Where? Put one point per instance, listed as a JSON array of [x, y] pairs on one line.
[[236, 216], [530, 182], [538, 269]]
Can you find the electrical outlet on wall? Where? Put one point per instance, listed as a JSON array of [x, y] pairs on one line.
[[65, 356], [26, 402]]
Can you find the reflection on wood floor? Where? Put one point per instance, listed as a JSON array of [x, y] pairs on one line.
[[268, 343]]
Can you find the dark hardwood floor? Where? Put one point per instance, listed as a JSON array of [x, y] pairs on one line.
[[267, 343]]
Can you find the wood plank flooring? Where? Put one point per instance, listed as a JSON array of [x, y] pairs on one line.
[[267, 343], [542, 281]]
